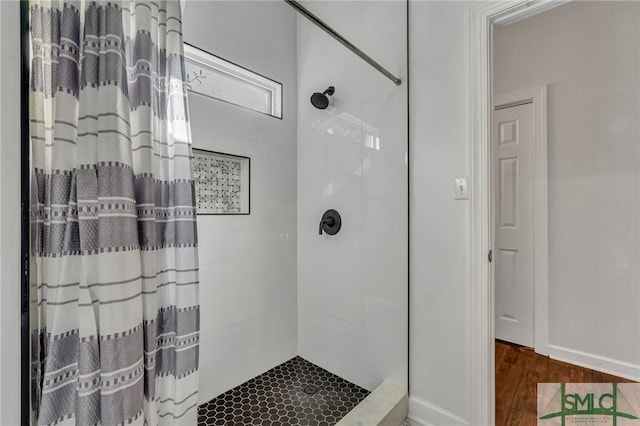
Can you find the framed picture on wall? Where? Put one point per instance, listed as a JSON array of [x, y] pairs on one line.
[[222, 183]]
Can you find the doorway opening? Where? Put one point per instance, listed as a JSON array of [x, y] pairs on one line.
[[603, 354]]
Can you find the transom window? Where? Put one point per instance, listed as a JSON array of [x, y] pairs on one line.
[[216, 78]]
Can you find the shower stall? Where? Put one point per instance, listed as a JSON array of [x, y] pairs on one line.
[[298, 116]]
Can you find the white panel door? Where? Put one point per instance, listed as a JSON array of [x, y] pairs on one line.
[[513, 213]]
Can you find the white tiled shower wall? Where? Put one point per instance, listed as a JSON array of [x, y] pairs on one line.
[[352, 157], [346, 309], [248, 263]]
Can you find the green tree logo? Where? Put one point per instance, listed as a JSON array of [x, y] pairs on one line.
[[564, 405]]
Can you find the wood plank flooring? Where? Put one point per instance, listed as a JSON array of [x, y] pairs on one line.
[[520, 369]]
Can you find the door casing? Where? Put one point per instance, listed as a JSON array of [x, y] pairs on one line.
[[481, 19]]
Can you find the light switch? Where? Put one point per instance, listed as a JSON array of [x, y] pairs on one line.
[[462, 189]]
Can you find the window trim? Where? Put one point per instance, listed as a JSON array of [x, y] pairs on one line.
[[208, 59]]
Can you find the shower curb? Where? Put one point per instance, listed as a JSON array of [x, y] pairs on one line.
[[387, 405]]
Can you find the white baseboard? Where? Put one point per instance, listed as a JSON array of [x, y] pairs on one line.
[[429, 414], [604, 364]]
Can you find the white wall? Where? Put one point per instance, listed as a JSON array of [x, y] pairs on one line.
[[352, 287], [440, 322], [439, 225], [248, 263], [588, 53], [10, 213], [1, 216]]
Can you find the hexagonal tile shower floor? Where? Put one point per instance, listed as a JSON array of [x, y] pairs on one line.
[[297, 392]]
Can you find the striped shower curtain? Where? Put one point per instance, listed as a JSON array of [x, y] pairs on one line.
[[114, 218]]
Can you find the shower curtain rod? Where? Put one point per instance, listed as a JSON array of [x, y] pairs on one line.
[[346, 43]]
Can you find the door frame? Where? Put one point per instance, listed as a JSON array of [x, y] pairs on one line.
[[538, 97], [480, 21]]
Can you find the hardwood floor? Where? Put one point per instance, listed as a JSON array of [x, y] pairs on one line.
[[520, 369]]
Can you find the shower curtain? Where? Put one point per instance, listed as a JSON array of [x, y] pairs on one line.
[[114, 220]]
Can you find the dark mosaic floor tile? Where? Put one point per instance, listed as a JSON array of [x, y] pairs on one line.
[[278, 398]]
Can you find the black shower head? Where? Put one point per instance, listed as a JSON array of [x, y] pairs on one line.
[[321, 100]]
